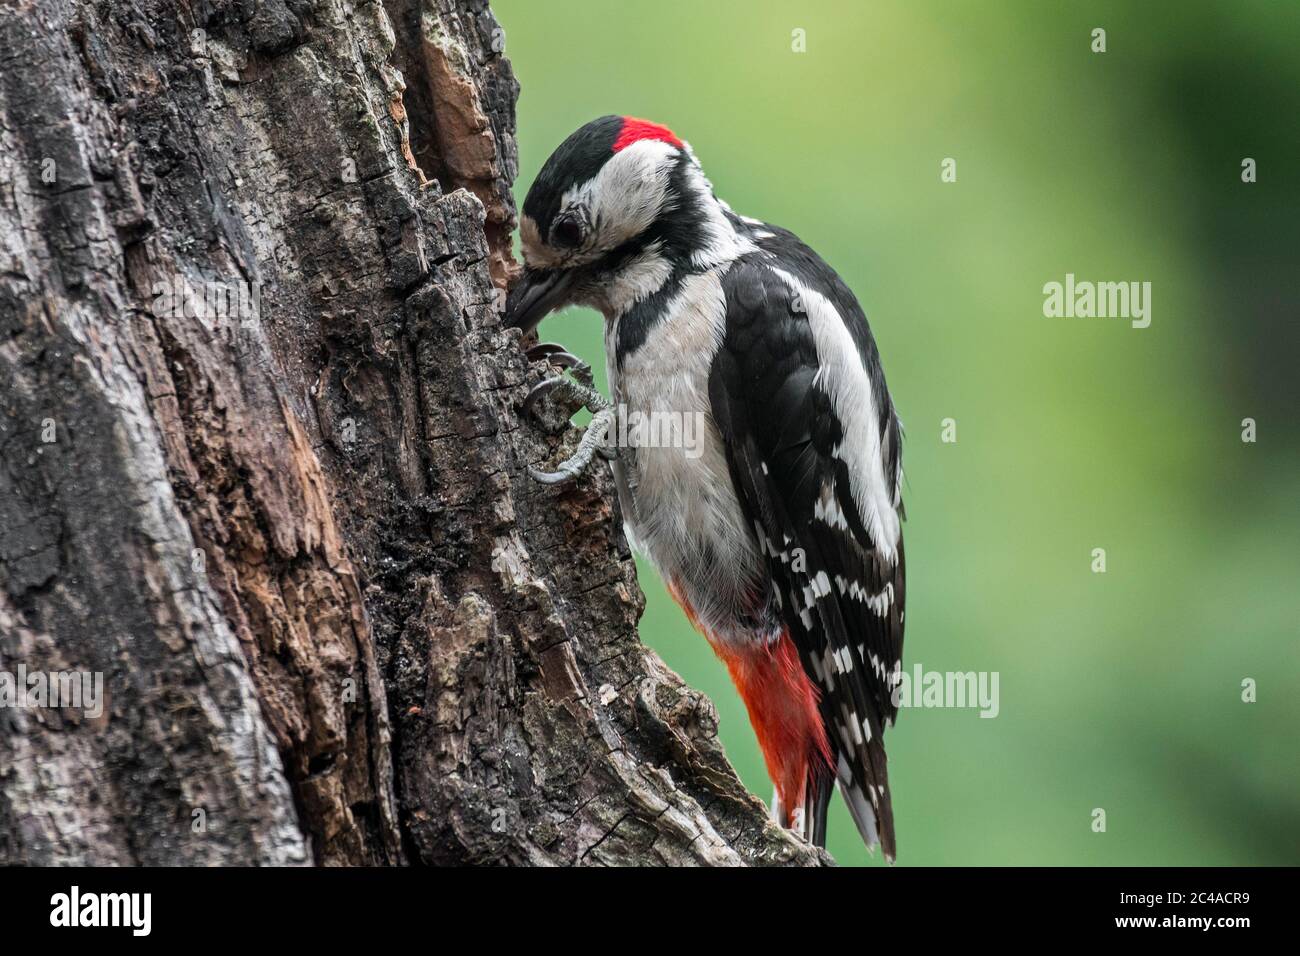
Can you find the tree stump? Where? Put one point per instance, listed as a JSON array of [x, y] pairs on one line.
[[263, 467]]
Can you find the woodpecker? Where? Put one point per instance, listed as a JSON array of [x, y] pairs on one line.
[[779, 533]]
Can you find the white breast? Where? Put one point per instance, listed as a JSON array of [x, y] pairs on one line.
[[679, 505]]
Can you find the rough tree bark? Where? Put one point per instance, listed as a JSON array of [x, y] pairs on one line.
[[336, 621]]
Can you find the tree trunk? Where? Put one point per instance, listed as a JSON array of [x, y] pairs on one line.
[[263, 467]]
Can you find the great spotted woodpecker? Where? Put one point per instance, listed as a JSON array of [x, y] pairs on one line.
[[780, 534]]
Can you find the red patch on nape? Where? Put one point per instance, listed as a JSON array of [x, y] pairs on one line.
[[634, 130]]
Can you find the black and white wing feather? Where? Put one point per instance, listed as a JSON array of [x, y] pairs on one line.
[[813, 445]]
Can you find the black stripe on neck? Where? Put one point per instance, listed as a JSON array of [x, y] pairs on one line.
[[635, 324]]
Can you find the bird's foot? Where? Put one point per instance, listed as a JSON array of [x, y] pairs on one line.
[[577, 390]]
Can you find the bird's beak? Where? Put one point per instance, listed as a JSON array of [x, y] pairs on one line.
[[538, 293]]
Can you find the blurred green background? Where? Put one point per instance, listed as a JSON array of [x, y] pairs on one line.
[[1119, 690]]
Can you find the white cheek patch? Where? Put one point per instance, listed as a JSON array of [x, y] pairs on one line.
[[642, 277], [627, 195]]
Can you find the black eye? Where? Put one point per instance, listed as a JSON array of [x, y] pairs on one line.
[[566, 233]]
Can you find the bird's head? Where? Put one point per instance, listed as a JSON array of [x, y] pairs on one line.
[[615, 208]]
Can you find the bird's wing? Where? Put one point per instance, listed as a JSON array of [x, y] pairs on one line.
[[813, 447]]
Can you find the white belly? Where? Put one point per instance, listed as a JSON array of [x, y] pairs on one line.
[[679, 505]]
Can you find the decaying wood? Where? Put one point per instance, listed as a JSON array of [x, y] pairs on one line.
[[337, 623]]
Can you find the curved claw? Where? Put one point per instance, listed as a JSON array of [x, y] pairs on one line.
[[548, 477], [554, 353], [538, 392]]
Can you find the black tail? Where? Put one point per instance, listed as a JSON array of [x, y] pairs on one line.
[[821, 783]]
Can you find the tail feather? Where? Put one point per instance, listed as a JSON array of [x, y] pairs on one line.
[[875, 822], [819, 801]]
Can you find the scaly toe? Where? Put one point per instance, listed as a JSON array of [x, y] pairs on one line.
[[594, 441]]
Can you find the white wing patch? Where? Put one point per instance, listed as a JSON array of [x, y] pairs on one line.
[[844, 379]]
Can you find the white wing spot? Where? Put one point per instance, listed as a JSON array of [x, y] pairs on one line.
[[844, 735], [881, 603], [827, 510], [821, 584], [852, 719]]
